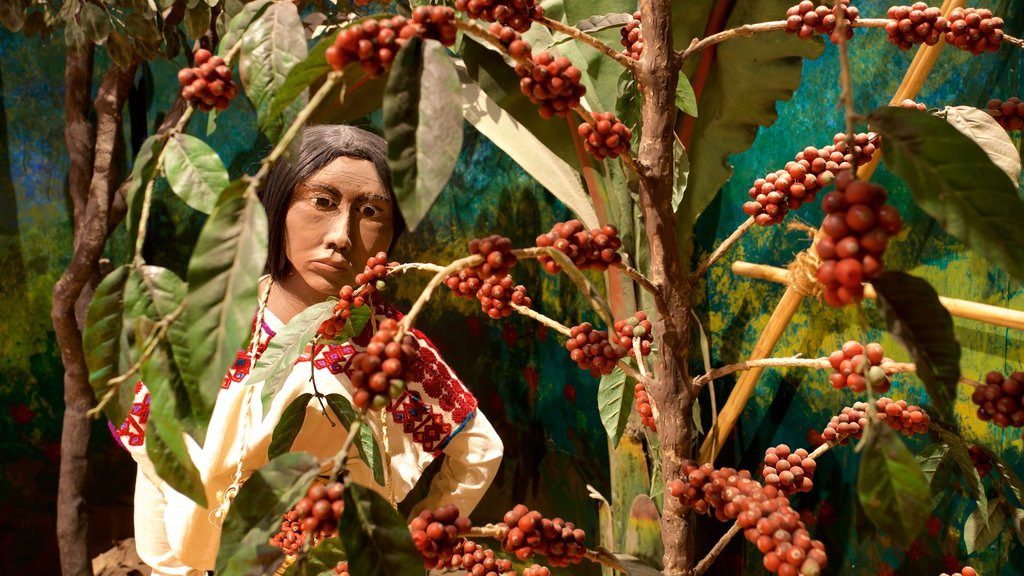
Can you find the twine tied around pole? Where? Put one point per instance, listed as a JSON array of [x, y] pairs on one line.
[[804, 268]]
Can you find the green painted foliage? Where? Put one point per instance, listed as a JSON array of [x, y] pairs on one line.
[[194, 172], [376, 538], [890, 485]]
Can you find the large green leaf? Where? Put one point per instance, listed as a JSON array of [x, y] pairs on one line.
[[376, 537], [289, 425], [980, 126], [914, 315], [197, 20], [369, 452], [321, 560], [102, 340], [255, 515], [890, 485], [960, 454], [222, 275], [954, 180], [95, 23], [302, 75], [143, 171], [194, 171], [614, 400], [747, 77], [422, 124], [981, 529], [240, 22], [935, 468], [271, 46]]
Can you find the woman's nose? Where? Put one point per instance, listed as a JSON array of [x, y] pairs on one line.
[[339, 234]]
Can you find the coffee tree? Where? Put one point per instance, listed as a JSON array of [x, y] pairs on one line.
[[613, 134]]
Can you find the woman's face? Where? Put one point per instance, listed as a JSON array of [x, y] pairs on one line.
[[337, 219]]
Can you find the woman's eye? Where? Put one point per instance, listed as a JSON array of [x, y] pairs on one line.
[[369, 211], [323, 202]]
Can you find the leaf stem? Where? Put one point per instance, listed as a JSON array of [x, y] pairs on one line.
[[724, 247], [577, 34]]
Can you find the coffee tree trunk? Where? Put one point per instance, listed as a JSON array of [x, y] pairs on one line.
[[671, 393]]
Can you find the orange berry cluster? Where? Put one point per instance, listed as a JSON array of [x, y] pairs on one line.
[[495, 295], [849, 423], [465, 284], [980, 460], [511, 40], [800, 181], [552, 83], [536, 570], [516, 14], [529, 532], [497, 254], [596, 249], [636, 326], [901, 417], [974, 30], [632, 37], [857, 365], [788, 470], [915, 24], [606, 137], [764, 513], [379, 373], [644, 407], [857, 227], [318, 513], [375, 42], [475, 560], [965, 571], [347, 300], [435, 533], [376, 270], [804, 19], [208, 85], [1001, 399], [1009, 114], [908, 103], [341, 568], [591, 350]]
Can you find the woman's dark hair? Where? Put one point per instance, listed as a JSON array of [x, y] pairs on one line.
[[321, 145]]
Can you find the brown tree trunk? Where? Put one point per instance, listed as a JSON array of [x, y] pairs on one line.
[[91, 231], [672, 391]]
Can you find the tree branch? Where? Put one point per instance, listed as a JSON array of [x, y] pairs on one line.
[[748, 30], [724, 247], [78, 130], [889, 366], [577, 34]]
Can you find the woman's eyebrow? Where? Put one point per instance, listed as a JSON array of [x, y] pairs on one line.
[[376, 197]]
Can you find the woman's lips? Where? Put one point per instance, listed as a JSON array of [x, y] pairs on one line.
[[329, 267]]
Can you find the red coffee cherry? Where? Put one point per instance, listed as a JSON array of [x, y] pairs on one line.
[[591, 350], [789, 471], [529, 532], [379, 373], [804, 19], [373, 43], [856, 366], [552, 83], [644, 407], [908, 103], [974, 30], [318, 513], [465, 284], [595, 250], [497, 254], [332, 328], [916, 24], [473, 559], [516, 14], [436, 534], [208, 85], [1009, 114], [605, 137], [536, 570], [1001, 399], [511, 40], [632, 37], [495, 297], [636, 326], [850, 423], [980, 459], [341, 569]]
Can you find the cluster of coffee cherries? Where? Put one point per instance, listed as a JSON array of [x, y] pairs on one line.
[[800, 181], [982, 463], [318, 513], [370, 280], [636, 326], [1001, 399], [475, 560], [591, 350], [1009, 113], [375, 42], [551, 83], [208, 85], [644, 407], [334, 326], [763, 512], [496, 295], [516, 14], [908, 103], [606, 136], [529, 532], [632, 37], [974, 30], [341, 568], [376, 270], [497, 254], [379, 372], [965, 571], [851, 422], [804, 19], [595, 249], [916, 24], [788, 470], [857, 365], [857, 227], [511, 40], [536, 570], [436, 533]]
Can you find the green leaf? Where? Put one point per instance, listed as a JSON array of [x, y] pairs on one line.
[[980, 126], [1007, 474], [1017, 521], [226, 264], [74, 36], [321, 559], [271, 46], [953, 180], [95, 23], [981, 529], [686, 100], [376, 538], [302, 75], [102, 340], [422, 124], [930, 459], [255, 515], [288, 427], [600, 22], [197, 20], [194, 172], [614, 402], [914, 315], [962, 458], [120, 50], [369, 452], [748, 76], [143, 171], [890, 485], [240, 22], [680, 175]]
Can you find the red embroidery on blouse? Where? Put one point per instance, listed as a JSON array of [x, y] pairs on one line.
[[134, 426]]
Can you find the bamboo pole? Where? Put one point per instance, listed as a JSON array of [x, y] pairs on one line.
[[914, 78], [995, 315]]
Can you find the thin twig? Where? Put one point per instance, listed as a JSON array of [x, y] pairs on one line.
[[845, 79], [889, 366], [724, 246], [747, 30], [339, 460], [1019, 43], [474, 29], [408, 321], [969, 382], [627, 62], [638, 277], [550, 323], [427, 267]]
